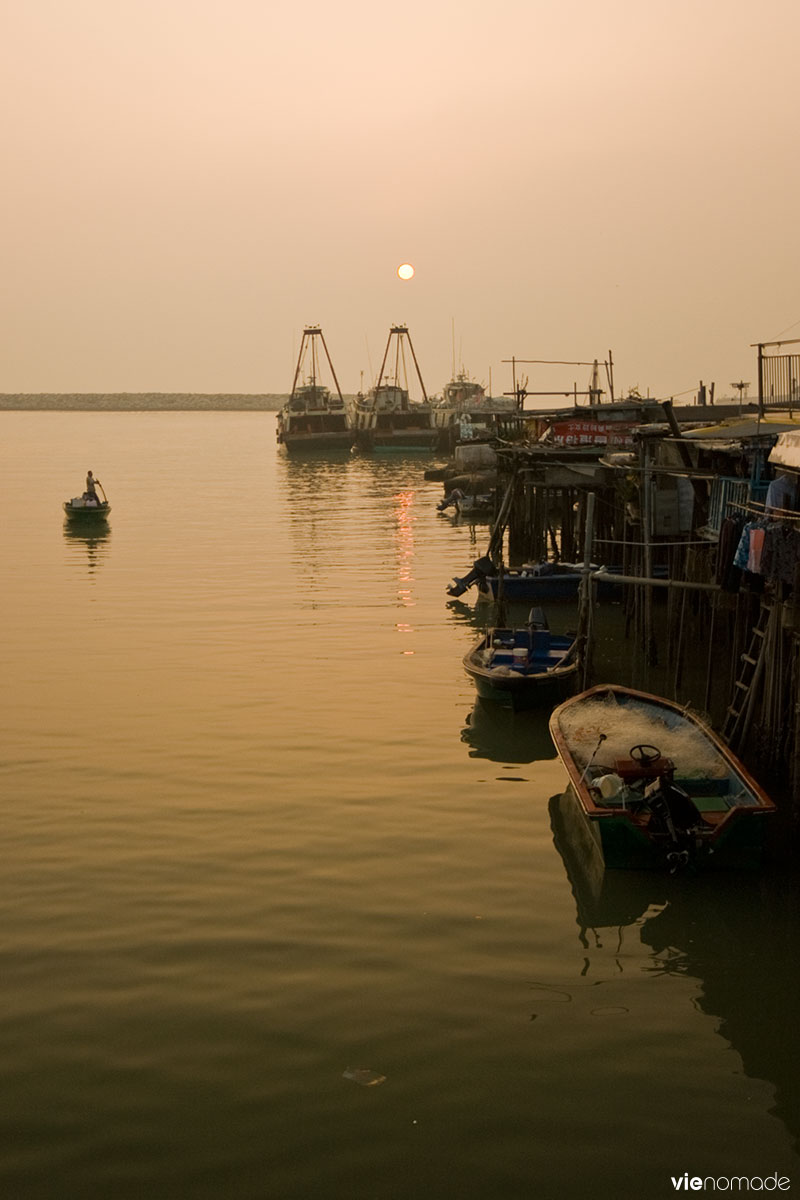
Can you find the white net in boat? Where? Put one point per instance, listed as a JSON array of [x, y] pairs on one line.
[[633, 723]]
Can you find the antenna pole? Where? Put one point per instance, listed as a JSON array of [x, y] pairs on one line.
[[610, 374]]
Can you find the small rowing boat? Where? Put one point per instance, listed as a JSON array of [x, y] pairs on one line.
[[90, 506], [87, 509]]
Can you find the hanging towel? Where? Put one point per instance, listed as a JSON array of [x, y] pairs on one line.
[[757, 536]]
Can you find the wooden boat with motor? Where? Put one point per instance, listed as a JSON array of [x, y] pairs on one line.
[[542, 581], [524, 668], [654, 784], [532, 582]]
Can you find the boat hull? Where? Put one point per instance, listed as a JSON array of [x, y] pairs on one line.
[[522, 695], [537, 588], [545, 679], [322, 440], [82, 513], [403, 444], [532, 588], [623, 845], [399, 439], [631, 808]]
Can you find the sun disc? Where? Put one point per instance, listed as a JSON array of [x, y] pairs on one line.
[[405, 271]]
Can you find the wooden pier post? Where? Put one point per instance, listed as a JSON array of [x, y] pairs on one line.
[[585, 616]]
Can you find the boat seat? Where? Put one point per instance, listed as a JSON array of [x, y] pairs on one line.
[[703, 786]]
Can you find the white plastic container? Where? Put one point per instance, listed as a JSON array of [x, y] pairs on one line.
[[611, 786]]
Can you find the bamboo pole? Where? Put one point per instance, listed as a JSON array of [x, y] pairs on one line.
[[650, 657], [679, 648], [648, 582], [709, 663], [585, 624]]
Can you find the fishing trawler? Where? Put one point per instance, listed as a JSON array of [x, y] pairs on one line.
[[314, 417], [460, 395], [466, 412], [386, 418]]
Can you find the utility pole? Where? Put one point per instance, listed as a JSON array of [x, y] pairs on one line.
[[741, 387]]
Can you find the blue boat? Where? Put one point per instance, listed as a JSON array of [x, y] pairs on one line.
[[534, 581], [543, 581], [524, 668]]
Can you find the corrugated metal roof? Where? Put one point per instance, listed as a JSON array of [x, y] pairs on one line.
[[744, 429]]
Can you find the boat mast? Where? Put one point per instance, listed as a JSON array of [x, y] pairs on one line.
[[330, 364], [383, 364], [416, 364], [400, 332], [300, 357], [309, 340]]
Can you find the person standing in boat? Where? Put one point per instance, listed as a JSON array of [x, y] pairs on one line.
[[90, 493]]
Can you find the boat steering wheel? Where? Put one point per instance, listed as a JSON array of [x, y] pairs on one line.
[[644, 755]]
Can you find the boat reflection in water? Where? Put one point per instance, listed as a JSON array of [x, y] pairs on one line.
[[735, 934], [504, 736], [94, 536], [602, 897]]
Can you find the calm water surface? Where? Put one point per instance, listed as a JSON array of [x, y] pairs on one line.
[[257, 834]]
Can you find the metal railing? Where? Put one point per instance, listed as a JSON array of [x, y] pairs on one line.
[[778, 377], [731, 491]]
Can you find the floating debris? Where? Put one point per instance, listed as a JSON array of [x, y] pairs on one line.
[[364, 1076]]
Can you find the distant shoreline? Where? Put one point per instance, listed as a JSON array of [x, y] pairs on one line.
[[138, 402]]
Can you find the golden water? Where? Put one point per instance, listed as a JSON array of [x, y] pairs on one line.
[[256, 835]]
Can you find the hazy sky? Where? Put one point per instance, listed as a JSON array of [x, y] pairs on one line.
[[187, 183]]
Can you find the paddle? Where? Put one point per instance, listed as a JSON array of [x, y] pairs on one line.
[[97, 483]]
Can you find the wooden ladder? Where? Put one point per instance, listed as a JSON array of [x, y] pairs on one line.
[[752, 662]]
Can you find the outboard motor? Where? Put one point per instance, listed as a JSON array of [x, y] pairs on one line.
[[674, 815], [449, 500], [481, 569]]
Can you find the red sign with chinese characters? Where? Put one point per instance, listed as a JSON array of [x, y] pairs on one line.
[[592, 433]]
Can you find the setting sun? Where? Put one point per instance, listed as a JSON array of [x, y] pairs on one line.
[[405, 271]]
